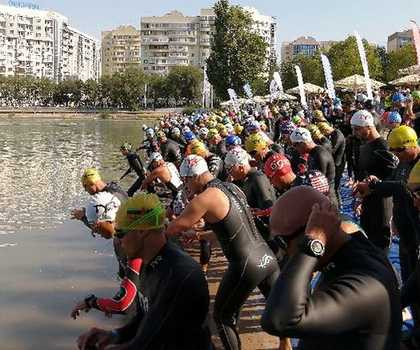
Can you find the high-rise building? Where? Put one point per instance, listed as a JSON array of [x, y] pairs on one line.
[[175, 39], [42, 44], [399, 39], [306, 46], [120, 49], [266, 27]]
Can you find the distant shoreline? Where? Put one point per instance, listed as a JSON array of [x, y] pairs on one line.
[[80, 114]]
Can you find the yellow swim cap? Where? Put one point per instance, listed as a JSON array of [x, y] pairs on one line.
[[238, 128], [141, 212], [325, 128], [199, 149], [319, 116], [90, 176], [315, 132], [255, 142], [403, 136], [414, 178]]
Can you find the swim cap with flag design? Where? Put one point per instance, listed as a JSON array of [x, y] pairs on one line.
[[362, 118], [236, 156], [90, 176], [301, 135], [193, 165], [403, 136], [277, 165], [144, 211]]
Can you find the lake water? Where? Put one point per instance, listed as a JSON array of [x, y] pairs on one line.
[[48, 262]]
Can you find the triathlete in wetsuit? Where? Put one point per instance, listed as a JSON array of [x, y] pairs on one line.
[[258, 190], [356, 303], [136, 165], [251, 262], [338, 143], [374, 159], [170, 150], [173, 293]]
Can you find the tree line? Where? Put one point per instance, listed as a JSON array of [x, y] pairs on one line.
[[125, 90], [239, 56]]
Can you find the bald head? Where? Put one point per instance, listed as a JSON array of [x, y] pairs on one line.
[[291, 211]]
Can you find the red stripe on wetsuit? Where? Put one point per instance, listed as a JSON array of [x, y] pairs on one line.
[[128, 290]]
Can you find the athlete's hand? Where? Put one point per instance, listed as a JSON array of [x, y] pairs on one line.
[[362, 188], [77, 214], [81, 306], [95, 337], [323, 222], [190, 236]]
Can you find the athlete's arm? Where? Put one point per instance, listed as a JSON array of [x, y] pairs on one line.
[[351, 302], [127, 294], [263, 192], [193, 212], [151, 177]]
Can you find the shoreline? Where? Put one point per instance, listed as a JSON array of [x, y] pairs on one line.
[[80, 114]]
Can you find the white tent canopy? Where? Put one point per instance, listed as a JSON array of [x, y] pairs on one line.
[[413, 79], [309, 89], [357, 82]]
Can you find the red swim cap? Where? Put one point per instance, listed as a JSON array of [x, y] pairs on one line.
[[277, 165]]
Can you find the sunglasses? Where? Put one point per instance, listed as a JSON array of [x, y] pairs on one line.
[[285, 240]]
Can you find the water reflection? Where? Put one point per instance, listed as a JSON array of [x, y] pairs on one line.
[[41, 162]]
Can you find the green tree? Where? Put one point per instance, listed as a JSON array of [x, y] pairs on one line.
[[310, 66], [185, 82], [402, 58], [238, 54], [345, 59]]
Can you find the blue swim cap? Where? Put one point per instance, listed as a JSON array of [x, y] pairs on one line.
[[189, 136], [394, 117], [398, 97], [233, 140]]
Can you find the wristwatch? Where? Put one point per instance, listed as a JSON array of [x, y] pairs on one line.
[[313, 247]]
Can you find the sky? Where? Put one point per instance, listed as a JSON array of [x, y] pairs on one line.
[[375, 20]]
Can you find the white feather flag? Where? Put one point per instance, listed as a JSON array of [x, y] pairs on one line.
[[365, 66], [416, 37], [301, 88], [328, 76], [277, 79]]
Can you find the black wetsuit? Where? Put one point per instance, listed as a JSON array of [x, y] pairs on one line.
[[260, 194], [356, 304], [338, 143], [174, 302], [150, 146], [171, 152], [375, 159], [322, 160], [136, 165], [251, 263]]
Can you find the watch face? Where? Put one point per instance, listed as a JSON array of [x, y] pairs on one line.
[[317, 247]]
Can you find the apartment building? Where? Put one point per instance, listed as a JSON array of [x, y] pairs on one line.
[[306, 46], [120, 49], [42, 44], [175, 39]]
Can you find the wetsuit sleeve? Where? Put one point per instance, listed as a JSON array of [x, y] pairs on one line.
[[343, 305], [389, 188], [127, 294], [263, 192], [167, 313], [321, 162]]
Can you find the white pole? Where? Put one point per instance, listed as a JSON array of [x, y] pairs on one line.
[[145, 96]]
